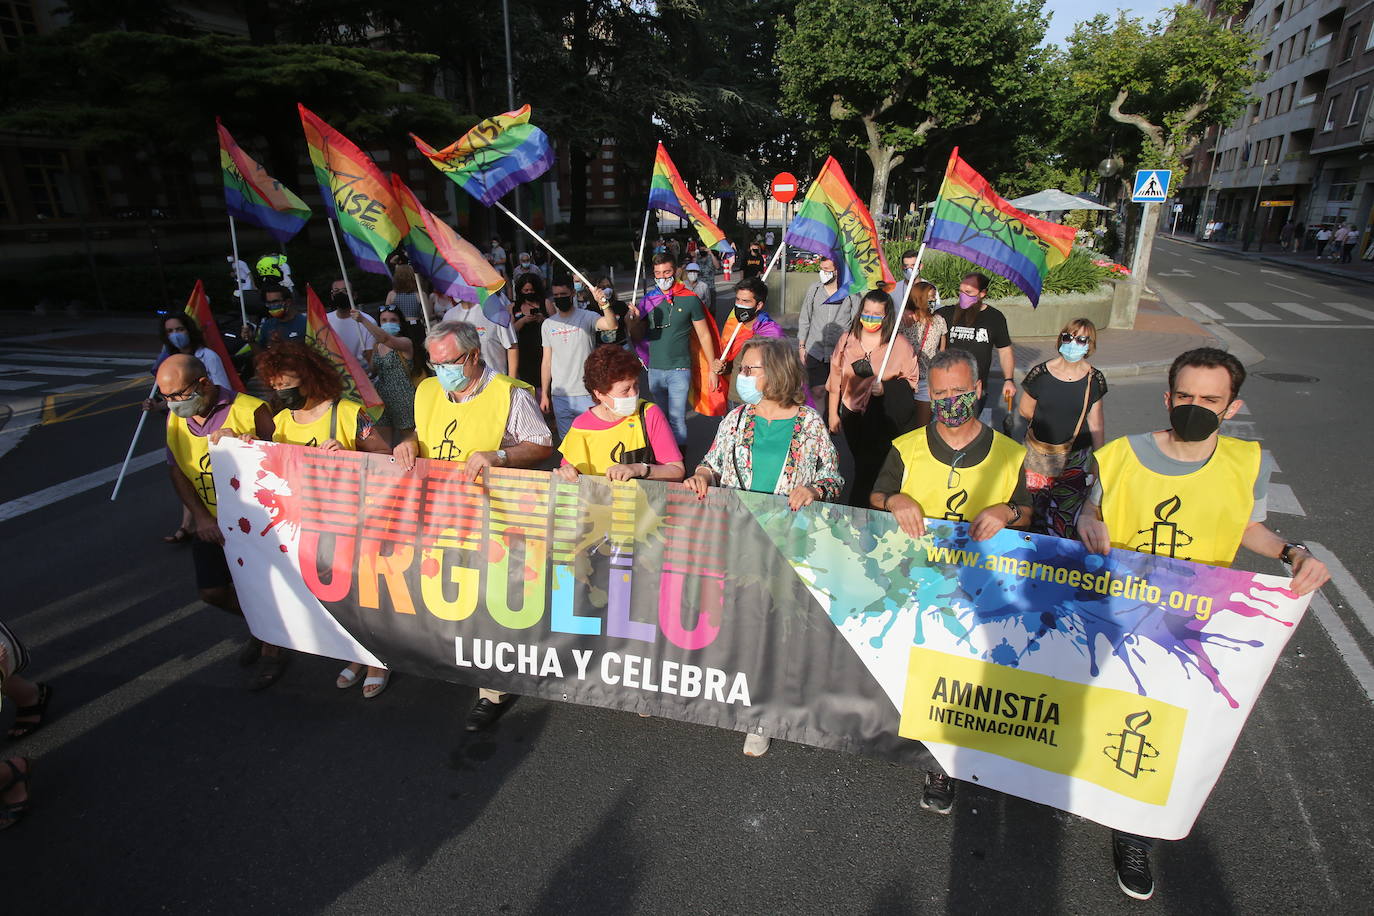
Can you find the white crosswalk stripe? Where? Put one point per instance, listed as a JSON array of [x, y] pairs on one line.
[[1208, 312], [1333, 315], [1350, 309], [1251, 312], [1303, 311]]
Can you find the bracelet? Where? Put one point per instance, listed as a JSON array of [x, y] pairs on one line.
[[645, 475]]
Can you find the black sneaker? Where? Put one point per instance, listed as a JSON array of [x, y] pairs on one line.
[[938, 794], [1132, 868]]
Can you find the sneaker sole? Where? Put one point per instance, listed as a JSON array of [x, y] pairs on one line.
[[1135, 895]]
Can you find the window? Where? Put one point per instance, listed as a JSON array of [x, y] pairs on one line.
[[16, 22], [608, 154], [1369, 42], [46, 175], [608, 182], [1357, 105], [1330, 122], [1348, 48]]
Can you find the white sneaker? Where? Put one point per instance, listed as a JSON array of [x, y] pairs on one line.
[[755, 745]]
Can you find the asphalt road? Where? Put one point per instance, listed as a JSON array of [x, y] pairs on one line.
[[161, 785]]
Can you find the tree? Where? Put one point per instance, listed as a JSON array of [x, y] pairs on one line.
[[882, 75]]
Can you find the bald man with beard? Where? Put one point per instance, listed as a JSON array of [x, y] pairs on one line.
[[199, 414]]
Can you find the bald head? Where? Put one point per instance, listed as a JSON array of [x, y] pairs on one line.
[[179, 372]]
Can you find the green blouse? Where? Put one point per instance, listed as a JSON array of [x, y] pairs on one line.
[[772, 440]]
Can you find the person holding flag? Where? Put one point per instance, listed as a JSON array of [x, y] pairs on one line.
[[283, 321], [826, 312], [674, 324], [747, 321]]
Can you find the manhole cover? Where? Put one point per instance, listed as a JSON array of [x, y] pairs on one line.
[[1290, 378]]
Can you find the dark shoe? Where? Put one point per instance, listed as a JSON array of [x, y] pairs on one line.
[[250, 653], [938, 794], [37, 713], [485, 712], [13, 812], [1132, 868], [270, 669]]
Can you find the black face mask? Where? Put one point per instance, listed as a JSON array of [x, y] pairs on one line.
[[564, 303], [291, 398], [1192, 423], [743, 315], [340, 301]]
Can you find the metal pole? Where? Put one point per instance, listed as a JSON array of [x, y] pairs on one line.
[[348, 287], [426, 303], [554, 251], [510, 101], [1146, 215], [639, 261], [786, 221], [133, 443], [234, 241]]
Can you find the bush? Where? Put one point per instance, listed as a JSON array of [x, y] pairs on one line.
[[1077, 274]]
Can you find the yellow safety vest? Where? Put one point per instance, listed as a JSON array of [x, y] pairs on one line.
[[451, 432], [317, 431], [595, 451], [1199, 516], [961, 495], [192, 452]]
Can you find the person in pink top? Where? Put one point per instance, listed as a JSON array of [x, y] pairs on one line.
[[621, 436]]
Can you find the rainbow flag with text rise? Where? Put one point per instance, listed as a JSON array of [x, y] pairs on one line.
[[198, 310], [495, 156], [447, 260], [667, 191], [833, 223], [256, 197], [972, 221], [351, 183]]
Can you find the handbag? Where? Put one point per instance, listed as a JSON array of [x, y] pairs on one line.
[[1047, 459]]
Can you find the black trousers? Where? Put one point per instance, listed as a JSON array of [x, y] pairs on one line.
[[870, 434]]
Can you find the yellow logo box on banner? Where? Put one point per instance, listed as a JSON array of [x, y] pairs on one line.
[[1119, 740]]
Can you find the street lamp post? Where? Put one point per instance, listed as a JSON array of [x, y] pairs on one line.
[[1251, 232]]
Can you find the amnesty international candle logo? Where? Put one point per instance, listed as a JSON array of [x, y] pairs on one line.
[[1163, 538], [1044, 722], [205, 481], [448, 449], [1132, 749], [954, 504]]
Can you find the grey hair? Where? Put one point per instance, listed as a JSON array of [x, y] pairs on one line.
[[951, 358], [463, 334]]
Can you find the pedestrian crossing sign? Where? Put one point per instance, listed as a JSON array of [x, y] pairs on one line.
[[1151, 186]]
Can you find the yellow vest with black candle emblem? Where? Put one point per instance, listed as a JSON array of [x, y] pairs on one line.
[[452, 431], [317, 431], [1200, 516], [596, 451], [960, 496], [192, 452]]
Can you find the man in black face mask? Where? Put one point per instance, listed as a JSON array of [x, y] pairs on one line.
[[568, 336], [1191, 493], [344, 319]]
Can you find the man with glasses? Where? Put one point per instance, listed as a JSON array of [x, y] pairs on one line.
[[674, 319], [469, 413], [283, 322], [958, 469], [199, 413]]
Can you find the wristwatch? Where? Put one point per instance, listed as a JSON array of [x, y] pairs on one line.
[[1015, 512], [502, 457], [1287, 554]]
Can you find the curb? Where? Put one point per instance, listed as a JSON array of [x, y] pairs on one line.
[[1268, 259]]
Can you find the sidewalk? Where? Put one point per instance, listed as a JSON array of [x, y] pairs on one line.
[[1357, 270]]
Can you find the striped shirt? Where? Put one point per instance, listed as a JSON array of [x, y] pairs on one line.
[[525, 423]]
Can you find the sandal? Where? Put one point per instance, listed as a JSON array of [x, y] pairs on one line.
[[270, 669], [373, 686], [347, 678], [37, 712], [12, 813], [180, 536]]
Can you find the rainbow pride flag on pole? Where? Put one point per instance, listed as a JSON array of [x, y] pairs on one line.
[[256, 197], [667, 191], [198, 310], [320, 335], [447, 260], [833, 223], [972, 221], [364, 205], [495, 156]]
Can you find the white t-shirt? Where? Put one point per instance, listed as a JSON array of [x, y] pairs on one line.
[[496, 338], [214, 367], [498, 258], [244, 275], [352, 336], [571, 336]]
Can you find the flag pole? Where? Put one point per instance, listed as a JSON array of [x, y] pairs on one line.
[[773, 262], [243, 309], [639, 261], [425, 302], [348, 287], [540, 239], [897, 308], [138, 430]]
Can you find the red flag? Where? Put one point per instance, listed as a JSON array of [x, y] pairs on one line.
[[320, 333], [198, 310]]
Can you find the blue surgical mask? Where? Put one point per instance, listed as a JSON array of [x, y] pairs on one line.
[[748, 389], [180, 339], [1073, 351], [451, 377], [391, 327]]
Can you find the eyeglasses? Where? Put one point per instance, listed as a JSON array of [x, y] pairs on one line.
[[749, 370], [1081, 338], [184, 394], [458, 361]]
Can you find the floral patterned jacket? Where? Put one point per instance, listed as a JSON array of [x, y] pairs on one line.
[[811, 459]]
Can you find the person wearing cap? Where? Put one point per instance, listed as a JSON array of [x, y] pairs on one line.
[[696, 284]]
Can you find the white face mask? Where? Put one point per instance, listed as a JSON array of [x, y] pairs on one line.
[[827, 276], [624, 406], [664, 283]]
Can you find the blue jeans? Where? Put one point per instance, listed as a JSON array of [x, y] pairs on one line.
[[568, 407], [668, 388]]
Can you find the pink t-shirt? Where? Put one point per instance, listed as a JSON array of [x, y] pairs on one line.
[[656, 427]]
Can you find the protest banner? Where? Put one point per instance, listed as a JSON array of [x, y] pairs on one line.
[[1113, 687]]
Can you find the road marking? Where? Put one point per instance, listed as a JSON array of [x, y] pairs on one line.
[[1243, 410], [1350, 309], [1277, 273], [1328, 327], [1296, 292], [14, 384], [1249, 311], [125, 638], [1348, 587], [1197, 260], [1303, 311], [49, 357], [1283, 499], [71, 613], [1234, 273], [1346, 646], [58, 492], [1208, 312], [52, 370], [68, 389], [91, 397], [1241, 429]]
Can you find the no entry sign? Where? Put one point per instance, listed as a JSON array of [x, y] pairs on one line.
[[784, 187]]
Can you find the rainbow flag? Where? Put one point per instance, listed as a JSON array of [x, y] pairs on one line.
[[667, 191], [833, 223], [320, 335], [495, 156], [198, 310], [364, 206], [256, 197], [447, 260], [972, 221]]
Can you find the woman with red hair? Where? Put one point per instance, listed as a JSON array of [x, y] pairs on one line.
[[315, 413]]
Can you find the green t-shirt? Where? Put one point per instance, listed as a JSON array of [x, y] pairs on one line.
[[772, 440], [670, 332]]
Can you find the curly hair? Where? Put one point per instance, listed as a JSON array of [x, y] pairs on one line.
[[607, 365], [319, 378]]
